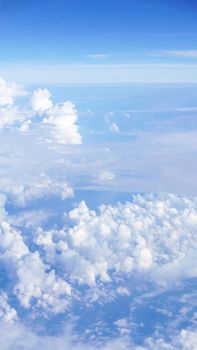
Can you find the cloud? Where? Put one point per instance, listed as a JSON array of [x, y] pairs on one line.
[[57, 123], [105, 176], [95, 257], [98, 56], [34, 279], [179, 53], [36, 283], [11, 115], [8, 92], [62, 118], [113, 127], [7, 313], [16, 336], [150, 234], [184, 340], [41, 100], [43, 187]]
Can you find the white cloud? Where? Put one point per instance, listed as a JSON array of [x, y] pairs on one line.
[[153, 237], [8, 91], [152, 234], [179, 53], [12, 246], [105, 176], [16, 336], [57, 122], [10, 115], [62, 118], [98, 56], [42, 186], [184, 340], [41, 100], [113, 127], [35, 282], [7, 313]]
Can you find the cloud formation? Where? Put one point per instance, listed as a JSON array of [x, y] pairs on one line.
[[9, 91], [151, 235], [180, 53], [56, 123]]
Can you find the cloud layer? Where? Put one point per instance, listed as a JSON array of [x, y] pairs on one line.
[[96, 257]]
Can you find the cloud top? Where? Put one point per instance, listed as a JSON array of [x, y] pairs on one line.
[[56, 123]]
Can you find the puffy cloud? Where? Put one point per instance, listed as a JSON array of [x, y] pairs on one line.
[[7, 313], [57, 123], [186, 339], [43, 186], [12, 246], [41, 100], [34, 279], [152, 234], [35, 282], [9, 113], [16, 336], [62, 118], [103, 250], [8, 91]]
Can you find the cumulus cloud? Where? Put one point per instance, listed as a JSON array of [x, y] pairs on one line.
[[36, 283], [16, 336], [7, 313], [10, 116], [41, 100], [42, 187], [9, 113], [186, 339], [148, 234], [57, 123], [8, 92], [96, 256], [34, 279], [61, 119]]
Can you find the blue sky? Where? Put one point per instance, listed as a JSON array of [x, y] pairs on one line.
[[64, 31], [60, 34]]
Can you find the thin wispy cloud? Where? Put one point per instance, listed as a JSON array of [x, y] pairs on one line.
[[98, 56], [179, 53]]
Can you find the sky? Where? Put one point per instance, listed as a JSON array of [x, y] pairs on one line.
[[100, 40], [98, 197]]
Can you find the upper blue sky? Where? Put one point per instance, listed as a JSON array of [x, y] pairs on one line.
[[76, 31]]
